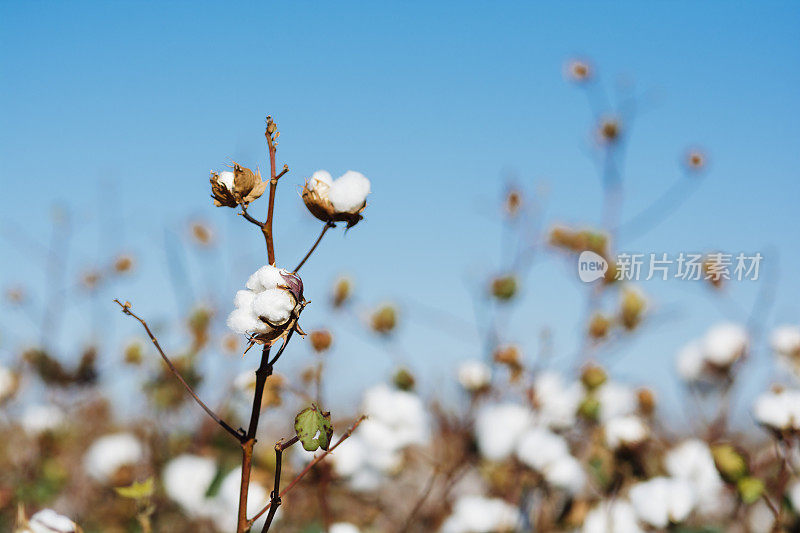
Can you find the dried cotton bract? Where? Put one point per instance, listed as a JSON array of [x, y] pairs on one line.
[[270, 306], [339, 200], [241, 186]]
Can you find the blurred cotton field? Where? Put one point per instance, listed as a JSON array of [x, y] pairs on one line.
[[258, 383]]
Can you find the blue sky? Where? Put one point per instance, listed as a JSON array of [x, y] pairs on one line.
[[118, 111]]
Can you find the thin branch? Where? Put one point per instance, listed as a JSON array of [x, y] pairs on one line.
[[273, 185], [249, 218], [309, 466], [126, 308], [325, 228], [275, 498], [282, 172]]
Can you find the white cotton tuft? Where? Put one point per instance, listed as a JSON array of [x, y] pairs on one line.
[[226, 177], [794, 496], [266, 277], [474, 375], [223, 508], [320, 182], [187, 479], [49, 521], [539, 447], [724, 344], [275, 305], [566, 473], [785, 341], [498, 429], [779, 410], [349, 192], [760, 518], [38, 419], [625, 431], [557, 401], [476, 514], [616, 400], [244, 321], [662, 500], [8, 383], [692, 461], [107, 454], [343, 527], [401, 412], [615, 516], [691, 361]]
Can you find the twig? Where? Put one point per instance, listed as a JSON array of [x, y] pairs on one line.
[[309, 466], [325, 228], [266, 229], [126, 308], [249, 218], [275, 498]]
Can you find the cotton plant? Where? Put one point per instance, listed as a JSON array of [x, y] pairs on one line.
[[266, 311], [712, 357]]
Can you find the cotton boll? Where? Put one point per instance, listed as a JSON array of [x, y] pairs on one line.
[[539, 447], [349, 192], [38, 419], [476, 514], [785, 341], [724, 344], [793, 493], [661, 500], [625, 431], [778, 410], [49, 521], [266, 277], [275, 305], [557, 402], [760, 518], [107, 454], [691, 361], [498, 429], [223, 508], [566, 473], [474, 375], [186, 480], [343, 527], [611, 517], [350, 456], [244, 321], [402, 412]]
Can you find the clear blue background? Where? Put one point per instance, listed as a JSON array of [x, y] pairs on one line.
[[118, 110]]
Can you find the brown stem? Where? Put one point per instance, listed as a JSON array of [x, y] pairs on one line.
[[273, 185], [249, 218], [325, 228], [240, 434], [309, 466], [275, 498]]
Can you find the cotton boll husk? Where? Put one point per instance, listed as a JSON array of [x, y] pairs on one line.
[[37, 419], [186, 480], [474, 375], [661, 500], [476, 514], [785, 340], [566, 473], [49, 521], [691, 361], [107, 454], [625, 430], [499, 427], [557, 401], [275, 305], [611, 517], [349, 192], [692, 461], [343, 527], [724, 344], [539, 447]]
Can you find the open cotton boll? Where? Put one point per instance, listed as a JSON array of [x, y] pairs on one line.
[[794, 496], [266, 277], [343, 527], [616, 516], [474, 375], [616, 400], [476, 514], [275, 305], [224, 507], [693, 462], [785, 341], [760, 518], [320, 182], [186, 480], [662, 500], [38, 419], [625, 431], [566, 473], [779, 410], [111, 452], [226, 177], [244, 321], [557, 401], [349, 192], [498, 429], [724, 344], [402, 412], [49, 521]]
